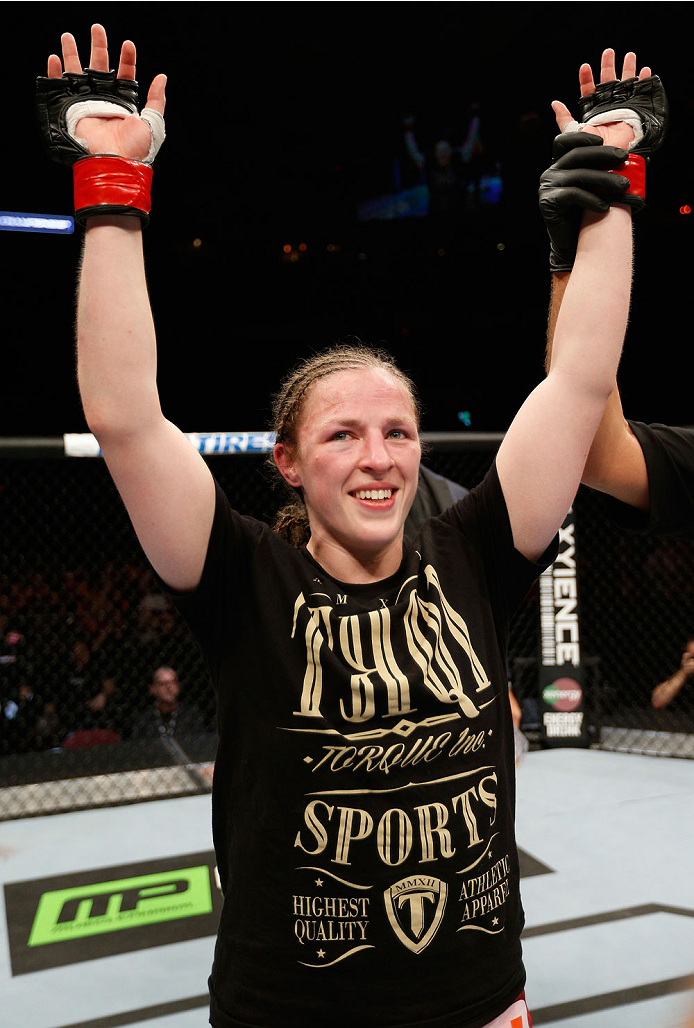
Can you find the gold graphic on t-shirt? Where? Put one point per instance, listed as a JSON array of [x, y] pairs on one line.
[[323, 919], [427, 832], [322, 870], [373, 757], [483, 895], [415, 908], [409, 785], [404, 727], [432, 626], [386, 668], [439, 669], [480, 858], [331, 927], [343, 956]]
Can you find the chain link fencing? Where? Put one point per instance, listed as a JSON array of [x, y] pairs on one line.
[[87, 638]]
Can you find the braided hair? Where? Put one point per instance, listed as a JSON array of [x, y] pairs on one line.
[[350, 354]]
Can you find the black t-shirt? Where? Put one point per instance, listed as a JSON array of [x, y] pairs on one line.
[[669, 454], [364, 792]]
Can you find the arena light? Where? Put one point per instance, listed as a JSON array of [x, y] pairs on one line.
[[14, 221]]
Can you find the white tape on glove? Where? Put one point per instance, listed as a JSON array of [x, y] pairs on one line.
[[107, 109]]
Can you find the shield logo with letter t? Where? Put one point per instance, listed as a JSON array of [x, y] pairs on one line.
[[415, 907]]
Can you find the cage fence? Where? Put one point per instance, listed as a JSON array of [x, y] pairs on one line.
[[87, 634]]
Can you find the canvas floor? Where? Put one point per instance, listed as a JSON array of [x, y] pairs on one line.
[[606, 842]]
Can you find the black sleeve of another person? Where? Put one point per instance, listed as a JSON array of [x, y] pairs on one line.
[[434, 495], [669, 454]]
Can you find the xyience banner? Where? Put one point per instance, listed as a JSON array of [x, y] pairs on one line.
[[561, 678]]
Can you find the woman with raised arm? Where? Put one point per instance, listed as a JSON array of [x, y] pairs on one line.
[[647, 469], [363, 798]]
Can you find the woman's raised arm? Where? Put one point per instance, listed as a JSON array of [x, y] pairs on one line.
[[164, 483], [541, 459], [544, 452]]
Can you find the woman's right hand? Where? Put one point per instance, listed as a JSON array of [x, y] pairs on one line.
[[128, 136]]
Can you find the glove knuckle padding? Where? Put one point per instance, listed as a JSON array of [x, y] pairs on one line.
[[56, 96], [646, 97]]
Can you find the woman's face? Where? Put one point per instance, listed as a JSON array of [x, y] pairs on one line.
[[356, 461]]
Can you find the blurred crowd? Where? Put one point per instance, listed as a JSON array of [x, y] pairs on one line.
[[83, 657]]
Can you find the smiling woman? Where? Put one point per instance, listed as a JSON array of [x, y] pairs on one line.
[[347, 426], [354, 651]]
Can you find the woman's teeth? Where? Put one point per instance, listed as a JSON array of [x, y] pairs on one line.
[[374, 494]]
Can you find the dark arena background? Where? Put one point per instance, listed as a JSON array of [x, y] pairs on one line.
[[299, 198]]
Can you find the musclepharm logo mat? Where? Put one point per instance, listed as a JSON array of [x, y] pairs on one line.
[[126, 903]]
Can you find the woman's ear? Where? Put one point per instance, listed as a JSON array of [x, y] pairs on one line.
[[284, 459]]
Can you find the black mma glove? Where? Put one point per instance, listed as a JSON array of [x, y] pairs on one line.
[[104, 183], [578, 179], [640, 102]]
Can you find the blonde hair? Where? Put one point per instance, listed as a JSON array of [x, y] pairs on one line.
[[350, 354]]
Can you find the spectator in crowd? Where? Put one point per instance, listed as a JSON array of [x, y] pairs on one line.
[[19, 716], [666, 691], [89, 694], [445, 189], [99, 719], [19, 703], [149, 614], [167, 714], [81, 679], [14, 668], [454, 166], [48, 732], [103, 702], [153, 631]]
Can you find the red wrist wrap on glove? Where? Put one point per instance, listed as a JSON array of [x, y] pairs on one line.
[[106, 184], [634, 168]]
